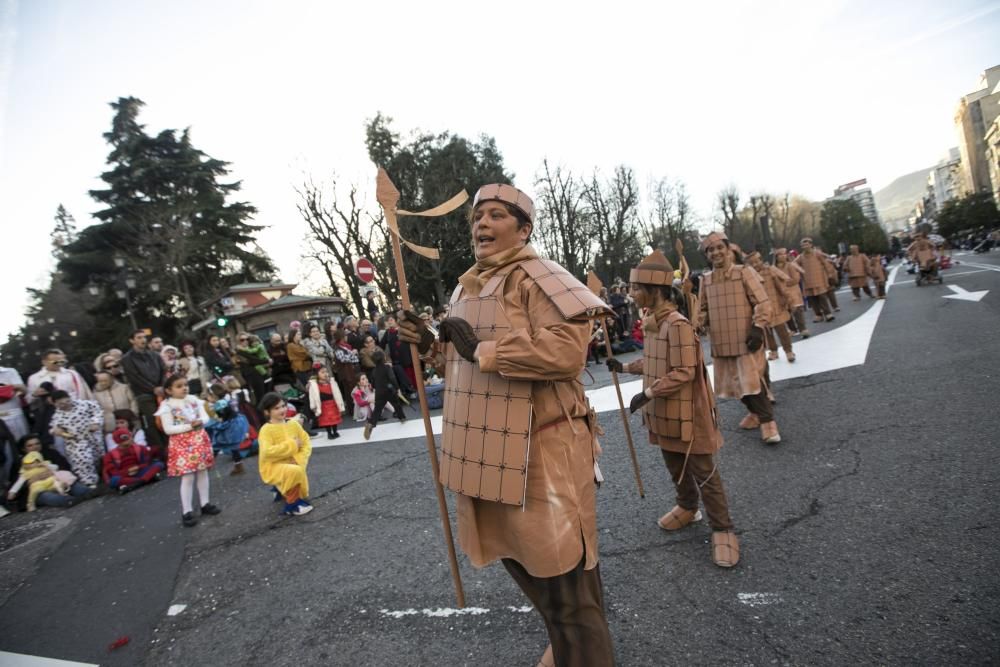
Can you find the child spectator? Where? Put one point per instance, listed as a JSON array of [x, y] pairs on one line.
[[189, 454], [230, 428], [326, 401], [284, 455], [385, 392], [128, 466], [126, 419], [363, 397]]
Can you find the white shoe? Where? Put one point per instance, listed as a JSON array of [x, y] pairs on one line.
[[302, 509]]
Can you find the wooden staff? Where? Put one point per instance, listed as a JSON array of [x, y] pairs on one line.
[[594, 283], [388, 197]]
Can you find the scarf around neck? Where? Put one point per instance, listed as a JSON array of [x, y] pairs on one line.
[[657, 315], [475, 278]]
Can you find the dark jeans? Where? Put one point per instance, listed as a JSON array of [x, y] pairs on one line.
[[77, 492], [258, 384], [147, 409], [381, 399], [572, 606]]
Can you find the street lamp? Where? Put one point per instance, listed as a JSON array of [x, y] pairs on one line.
[[129, 281], [119, 260], [93, 288]]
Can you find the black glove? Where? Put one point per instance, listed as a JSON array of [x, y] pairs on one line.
[[614, 365], [412, 329], [638, 401], [459, 333], [755, 339]]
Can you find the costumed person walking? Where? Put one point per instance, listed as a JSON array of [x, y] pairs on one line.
[[857, 266], [779, 294], [796, 302], [877, 272], [189, 454], [816, 280], [832, 279], [79, 423], [678, 407], [285, 449], [326, 401], [735, 310], [518, 331]]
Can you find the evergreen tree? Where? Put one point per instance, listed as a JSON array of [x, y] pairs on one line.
[[166, 215], [973, 214]]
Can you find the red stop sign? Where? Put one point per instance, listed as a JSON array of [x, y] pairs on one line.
[[364, 270]]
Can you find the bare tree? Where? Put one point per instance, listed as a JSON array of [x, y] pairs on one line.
[[729, 205], [341, 231], [565, 229], [668, 216], [615, 206]]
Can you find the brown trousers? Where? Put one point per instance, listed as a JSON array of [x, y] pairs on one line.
[[821, 305], [701, 474], [856, 291], [783, 334], [798, 321], [881, 288], [832, 296], [760, 405], [572, 606]]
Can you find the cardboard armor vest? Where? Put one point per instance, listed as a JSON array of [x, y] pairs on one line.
[[815, 275], [794, 273], [730, 313], [673, 346], [779, 303], [486, 430], [857, 266]]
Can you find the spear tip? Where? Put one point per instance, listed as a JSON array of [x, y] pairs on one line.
[[385, 191]]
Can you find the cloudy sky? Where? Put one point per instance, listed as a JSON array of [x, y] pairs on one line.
[[784, 95]]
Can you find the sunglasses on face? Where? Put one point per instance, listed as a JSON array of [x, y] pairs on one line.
[[110, 366]]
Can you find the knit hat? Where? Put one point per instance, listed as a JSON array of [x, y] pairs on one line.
[[654, 270], [121, 436], [713, 236]]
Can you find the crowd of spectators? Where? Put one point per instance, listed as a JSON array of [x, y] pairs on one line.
[[96, 422]]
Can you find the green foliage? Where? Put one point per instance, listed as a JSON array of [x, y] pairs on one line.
[[842, 221], [973, 214], [429, 169], [166, 213]]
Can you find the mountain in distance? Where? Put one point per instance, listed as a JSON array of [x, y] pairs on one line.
[[896, 201]]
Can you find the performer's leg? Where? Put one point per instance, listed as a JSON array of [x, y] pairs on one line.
[[868, 290], [881, 289], [856, 291], [703, 470], [572, 606], [832, 296], [772, 345], [785, 337], [819, 306], [687, 490], [760, 406]]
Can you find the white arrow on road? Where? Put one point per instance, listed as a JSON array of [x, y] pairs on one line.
[[964, 295]]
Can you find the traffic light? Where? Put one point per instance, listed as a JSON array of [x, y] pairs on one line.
[[221, 321]]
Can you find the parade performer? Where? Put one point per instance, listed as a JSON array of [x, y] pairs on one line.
[[858, 267], [780, 296], [735, 310], [796, 303], [285, 449], [518, 331], [922, 252], [816, 279], [679, 407], [877, 272], [189, 453], [832, 279]]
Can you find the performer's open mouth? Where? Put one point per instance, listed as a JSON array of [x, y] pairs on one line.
[[484, 241]]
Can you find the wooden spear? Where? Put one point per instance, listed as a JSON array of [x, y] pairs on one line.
[[594, 284], [388, 197]]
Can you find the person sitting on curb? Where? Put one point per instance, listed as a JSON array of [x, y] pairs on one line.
[[128, 466]]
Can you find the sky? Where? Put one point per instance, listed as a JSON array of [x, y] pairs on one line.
[[779, 96]]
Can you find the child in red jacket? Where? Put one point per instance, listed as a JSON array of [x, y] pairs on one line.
[[128, 466]]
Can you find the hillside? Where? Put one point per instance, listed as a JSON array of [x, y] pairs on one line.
[[895, 201]]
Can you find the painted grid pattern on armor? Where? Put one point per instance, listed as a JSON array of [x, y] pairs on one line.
[[730, 314], [573, 299], [487, 419], [675, 345], [814, 274], [775, 294]]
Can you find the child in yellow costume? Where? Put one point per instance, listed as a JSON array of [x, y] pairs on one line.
[[285, 449], [35, 471]]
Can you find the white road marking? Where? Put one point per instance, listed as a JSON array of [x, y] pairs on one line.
[[758, 599], [946, 275], [961, 294], [987, 267], [448, 612], [21, 660], [175, 609]]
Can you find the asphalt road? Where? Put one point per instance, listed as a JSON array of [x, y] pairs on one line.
[[870, 536]]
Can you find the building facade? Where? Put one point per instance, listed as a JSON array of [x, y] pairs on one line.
[[974, 118], [859, 192]]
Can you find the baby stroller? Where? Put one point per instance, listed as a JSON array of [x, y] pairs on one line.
[[928, 273]]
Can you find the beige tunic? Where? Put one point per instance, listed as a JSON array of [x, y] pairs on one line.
[[780, 295], [816, 278], [739, 375], [857, 270], [922, 251], [794, 273], [876, 270], [558, 522]]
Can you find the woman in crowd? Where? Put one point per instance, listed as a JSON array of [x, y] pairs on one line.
[[189, 455], [197, 369], [365, 361], [281, 366], [169, 356], [110, 363], [77, 491], [79, 423], [346, 361], [112, 396], [318, 347], [218, 358], [299, 358], [284, 455]]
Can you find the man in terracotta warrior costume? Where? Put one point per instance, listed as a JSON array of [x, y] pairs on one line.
[[735, 310], [679, 407], [857, 267], [779, 294], [833, 279], [877, 272], [817, 280], [796, 303], [922, 251], [513, 343]]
